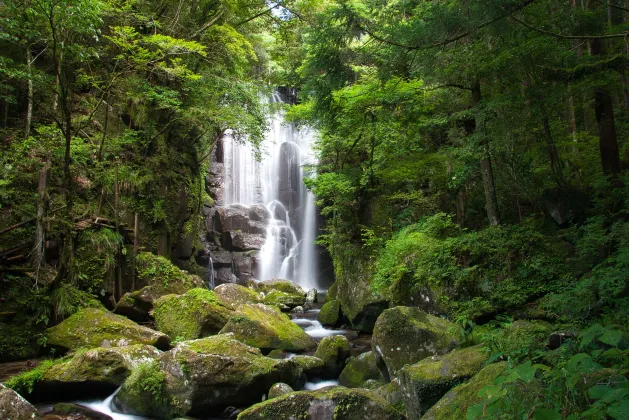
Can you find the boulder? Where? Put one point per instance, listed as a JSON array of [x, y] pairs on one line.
[[425, 382], [405, 335], [203, 375], [279, 389], [266, 328], [332, 292], [282, 285], [338, 403], [311, 296], [284, 300], [259, 213], [224, 275], [334, 351], [312, 366], [71, 411], [234, 295], [91, 327], [330, 313], [521, 334], [222, 258], [454, 404], [240, 241], [391, 393], [359, 370], [196, 314], [14, 407]]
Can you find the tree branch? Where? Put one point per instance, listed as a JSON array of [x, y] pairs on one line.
[[562, 36]]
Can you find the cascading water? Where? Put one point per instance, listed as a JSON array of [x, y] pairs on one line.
[[276, 181], [210, 275]]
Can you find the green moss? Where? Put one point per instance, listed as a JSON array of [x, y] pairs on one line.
[[454, 404], [279, 389], [334, 351], [157, 271], [359, 370], [310, 365], [330, 313], [18, 340], [332, 292], [284, 299], [234, 295], [265, 327], [24, 383], [523, 339], [280, 285], [197, 313]]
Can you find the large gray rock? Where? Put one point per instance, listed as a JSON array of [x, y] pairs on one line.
[[14, 407], [240, 241]]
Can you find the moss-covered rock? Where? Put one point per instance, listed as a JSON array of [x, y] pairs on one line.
[[425, 382], [522, 335], [334, 351], [234, 295], [71, 411], [266, 328], [281, 285], [338, 403], [196, 314], [359, 370], [279, 389], [283, 300], [92, 327], [14, 407], [405, 335], [392, 393], [454, 404], [157, 277], [201, 375], [332, 292], [330, 313], [312, 366]]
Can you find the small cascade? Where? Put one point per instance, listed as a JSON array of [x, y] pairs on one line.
[[210, 275]]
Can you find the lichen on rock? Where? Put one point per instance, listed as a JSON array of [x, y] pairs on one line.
[[14, 407], [359, 370], [234, 295]]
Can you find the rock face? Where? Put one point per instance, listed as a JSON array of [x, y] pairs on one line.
[[14, 407], [265, 327], [283, 300], [359, 370], [203, 375], [279, 389], [330, 313], [281, 285], [424, 383], [70, 411], [405, 335], [454, 404], [334, 351], [92, 327], [234, 295], [337, 403], [196, 314], [156, 277]]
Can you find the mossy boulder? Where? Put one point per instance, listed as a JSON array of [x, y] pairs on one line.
[[198, 313], [334, 351], [279, 389], [71, 411], [266, 328], [393, 394], [330, 313], [203, 375], [234, 295], [332, 292], [281, 285], [93, 327], [312, 366], [405, 335], [14, 407], [529, 335], [425, 382], [454, 404], [283, 300], [157, 277], [359, 370], [338, 403]]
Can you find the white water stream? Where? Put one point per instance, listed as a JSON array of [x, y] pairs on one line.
[[276, 181]]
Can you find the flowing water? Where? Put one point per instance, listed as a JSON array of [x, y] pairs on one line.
[[276, 180]]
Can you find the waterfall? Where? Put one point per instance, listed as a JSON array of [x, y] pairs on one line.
[[276, 181], [210, 269]]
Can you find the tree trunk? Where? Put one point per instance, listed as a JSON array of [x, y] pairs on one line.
[[556, 166], [42, 202], [29, 102], [118, 272], [135, 249]]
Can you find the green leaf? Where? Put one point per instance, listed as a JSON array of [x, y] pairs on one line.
[[619, 410], [546, 414], [475, 411], [611, 337], [598, 392]]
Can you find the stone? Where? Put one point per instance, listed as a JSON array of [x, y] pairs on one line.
[[330, 313], [565, 205], [203, 375], [259, 213], [391, 393], [266, 328], [279, 389], [332, 292], [334, 351], [71, 411], [234, 295], [281, 285], [225, 275], [240, 241], [277, 354], [198, 313], [222, 258], [338, 403], [313, 367], [425, 382], [359, 370], [14, 407], [405, 335], [454, 404], [284, 300], [91, 327], [521, 334], [311, 296], [557, 338]]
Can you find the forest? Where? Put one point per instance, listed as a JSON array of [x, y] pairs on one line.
[[471, 182]]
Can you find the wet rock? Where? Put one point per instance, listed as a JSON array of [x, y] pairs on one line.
[[455, 403], [311, 296], [424, 383], [266, 328], [234, 295], [222, 258], [405, 335], [198, 313], [14, 407], [70, 411], [279, 389], [312, 366], [330, 313], [284, 300], [391, 393], [259, 213], [359, 370], [297, 310], [224, 275], [281, 285], [334, 351], [203, 375], [338, 403], [277, 354], [92, 327], [239, 241]]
